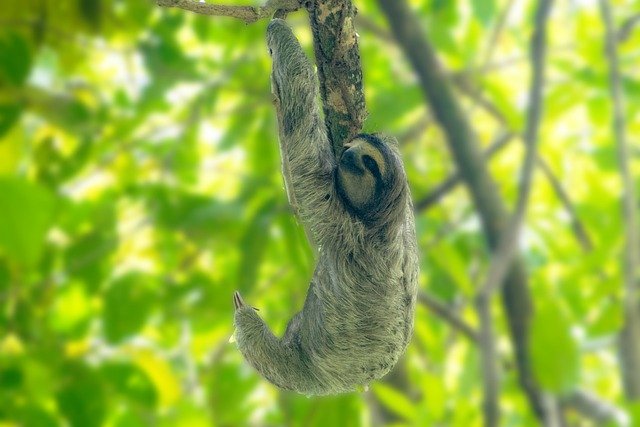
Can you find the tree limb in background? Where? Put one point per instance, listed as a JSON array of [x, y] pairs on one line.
[[577, 226], [630, 335], [338, 59], [592, 407], [473, 169], [447, 314], [248, 14], [454, 179], [508, 245], [627, 28], [509, 239], [497, 30]]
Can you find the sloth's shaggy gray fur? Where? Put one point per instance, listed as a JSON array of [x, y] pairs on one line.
[[358, 315]]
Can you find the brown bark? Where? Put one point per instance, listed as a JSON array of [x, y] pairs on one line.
[[338, 59]]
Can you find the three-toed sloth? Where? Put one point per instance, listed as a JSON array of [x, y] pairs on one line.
[[357, 318]]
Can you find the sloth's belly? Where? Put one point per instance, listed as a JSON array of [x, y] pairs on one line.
[[360, 347]]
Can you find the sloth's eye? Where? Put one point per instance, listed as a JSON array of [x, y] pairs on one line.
[[371, 164]]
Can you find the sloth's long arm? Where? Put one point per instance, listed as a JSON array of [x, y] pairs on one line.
[[306, 153]]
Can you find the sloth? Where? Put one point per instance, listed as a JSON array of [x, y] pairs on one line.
[[357, 318]]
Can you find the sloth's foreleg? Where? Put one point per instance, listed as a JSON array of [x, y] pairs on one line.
[[282, 364]]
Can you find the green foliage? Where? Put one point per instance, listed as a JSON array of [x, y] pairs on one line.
[[128, 302], [555, 354], [140, 184], [27, 213]]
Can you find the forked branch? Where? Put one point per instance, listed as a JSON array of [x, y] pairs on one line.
[[247, 14]]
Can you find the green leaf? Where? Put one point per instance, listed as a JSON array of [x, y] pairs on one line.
[[27, 213], [450, 261], [227, 385], [71, 310], [131, 419], [69, 113], [297, 246], [131, 382], [555, 353], [127, 304], [91, 12], [484, 10], [81, 397], [15, 59], [201, 217], [634, 412], [253, 245], [395, 401], [9, 115]]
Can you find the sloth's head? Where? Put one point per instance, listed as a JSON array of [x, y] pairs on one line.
[[370, 179]]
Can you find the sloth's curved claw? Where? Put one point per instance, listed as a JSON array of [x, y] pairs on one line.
[[238, 302]]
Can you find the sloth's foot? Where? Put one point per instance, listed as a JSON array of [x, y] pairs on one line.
[[238, 302]]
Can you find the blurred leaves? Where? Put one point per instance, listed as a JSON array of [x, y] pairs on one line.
[[128, 302], [556, 359], [15, 59], [81, 397], [141, 185], [27, 213]]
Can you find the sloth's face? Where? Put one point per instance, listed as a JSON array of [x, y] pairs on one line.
[[361, 174]]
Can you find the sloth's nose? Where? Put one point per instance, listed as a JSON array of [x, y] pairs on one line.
[[352, 161]]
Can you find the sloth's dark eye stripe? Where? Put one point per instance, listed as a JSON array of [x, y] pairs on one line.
[[371, 164]]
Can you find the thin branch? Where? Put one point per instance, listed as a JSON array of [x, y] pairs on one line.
[[448, 315], [497, 31], [627, 28], [594, 408], [630, 335], [368, 24], [488, 361], [454, 179], [577, 226], [415, 130], [247, 14], [464, 85], [503, 256]]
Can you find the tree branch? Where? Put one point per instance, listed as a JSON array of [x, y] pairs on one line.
[[454, 179], [509, 239], [508, 245], [590, 406], [627, 28], [448, 315], [630, 335], [472, 167], [577, 226], [338, 58], [247, 14]]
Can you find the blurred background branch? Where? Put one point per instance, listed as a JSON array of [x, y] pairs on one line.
[[140, 178]]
